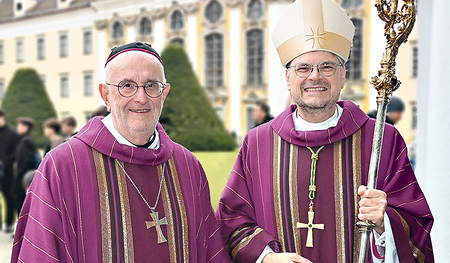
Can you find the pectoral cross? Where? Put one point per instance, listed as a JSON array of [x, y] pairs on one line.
[[310, 226], [157, 224]]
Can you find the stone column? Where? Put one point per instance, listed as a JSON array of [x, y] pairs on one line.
[[433, 103]]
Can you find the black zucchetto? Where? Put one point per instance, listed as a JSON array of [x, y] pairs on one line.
[[134, 46]]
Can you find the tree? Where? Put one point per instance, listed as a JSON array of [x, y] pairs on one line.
[[188, 116], [26, 97]]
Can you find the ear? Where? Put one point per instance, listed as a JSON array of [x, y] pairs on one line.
[[166, 92], [344, 73], [104, 92], [288, 79]]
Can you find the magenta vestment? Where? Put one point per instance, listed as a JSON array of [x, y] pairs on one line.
[[267, 194], [81, 207]]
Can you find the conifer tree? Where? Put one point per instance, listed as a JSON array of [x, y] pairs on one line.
[[188, 116], [26, 97]]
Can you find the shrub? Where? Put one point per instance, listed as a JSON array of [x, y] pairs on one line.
[[188, 116], [26, 97]]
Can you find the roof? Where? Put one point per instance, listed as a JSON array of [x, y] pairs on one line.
[[42, 7]]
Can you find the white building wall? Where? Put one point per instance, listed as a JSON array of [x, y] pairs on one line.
[[278, 93], [235, 69], [433, 145]]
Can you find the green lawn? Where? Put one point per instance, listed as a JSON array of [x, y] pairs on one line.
[[217, 166]]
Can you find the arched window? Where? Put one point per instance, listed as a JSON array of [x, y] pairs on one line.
[[213, 11], [255, 56], [255, 10], [117, 31], [145, 26], [178, 41], [214, 60], [354, 63], [176, 20]]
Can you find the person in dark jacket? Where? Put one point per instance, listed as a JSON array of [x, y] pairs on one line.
[[8, 143], [394, 113], [25, 158], [261, 113]]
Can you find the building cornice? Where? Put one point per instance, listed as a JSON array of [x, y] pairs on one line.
[[46, 13]]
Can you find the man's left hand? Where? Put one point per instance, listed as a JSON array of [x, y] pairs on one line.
[[372, 207]]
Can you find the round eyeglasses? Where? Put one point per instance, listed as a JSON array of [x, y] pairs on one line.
[[326, 68], [127, 88]]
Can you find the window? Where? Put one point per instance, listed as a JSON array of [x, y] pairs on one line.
[[87, 42], [117, 31], [2, 59], [2, 89], [415, 62], [255, 56], [63, 46], [213, 11], [41, 48], [19, 50], [176, 20], [354, 64], [255, 10], [64, 87], [214, 60], [145, 27], [351, 3], [88, 85], [178, 41]]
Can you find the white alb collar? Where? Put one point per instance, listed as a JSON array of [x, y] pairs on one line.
[[302, 125], [107, 121]]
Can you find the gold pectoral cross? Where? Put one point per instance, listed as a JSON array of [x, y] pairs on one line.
[[157, 223], [310, 226]]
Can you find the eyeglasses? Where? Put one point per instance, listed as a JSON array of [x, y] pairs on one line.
[[326, 68], [127, 88]]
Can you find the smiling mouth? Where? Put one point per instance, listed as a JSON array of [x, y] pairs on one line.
[[315, 89], [140, 111]]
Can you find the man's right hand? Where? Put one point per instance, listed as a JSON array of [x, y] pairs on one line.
[[284, 258]]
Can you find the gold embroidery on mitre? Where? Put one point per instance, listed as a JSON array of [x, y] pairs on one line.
[[316, 37]]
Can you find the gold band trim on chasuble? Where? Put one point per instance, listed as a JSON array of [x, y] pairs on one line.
[[286, 209], [418, 255], [174, 210], [345, 231], [347, 178]]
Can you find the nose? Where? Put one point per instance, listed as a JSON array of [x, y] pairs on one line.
[[315, 73], [140, 95]]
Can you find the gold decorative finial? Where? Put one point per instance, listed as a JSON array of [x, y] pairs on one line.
[[399, 24]]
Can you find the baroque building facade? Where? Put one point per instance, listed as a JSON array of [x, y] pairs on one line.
[[227, 41]]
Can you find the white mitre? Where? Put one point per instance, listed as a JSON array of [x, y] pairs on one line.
[[313, 25]]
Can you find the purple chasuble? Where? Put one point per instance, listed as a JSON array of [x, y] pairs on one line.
[[81, 207], [267, 194]]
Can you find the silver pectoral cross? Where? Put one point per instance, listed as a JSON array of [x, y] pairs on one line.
[[157, 224], [310, 226]]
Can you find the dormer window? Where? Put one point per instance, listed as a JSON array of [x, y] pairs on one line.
[[117, 33], [213, 11], [177, 20]]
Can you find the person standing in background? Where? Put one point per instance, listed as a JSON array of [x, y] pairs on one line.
[[8, 144], [261, 113], [52, 129], [25, 158], [68, 126]]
